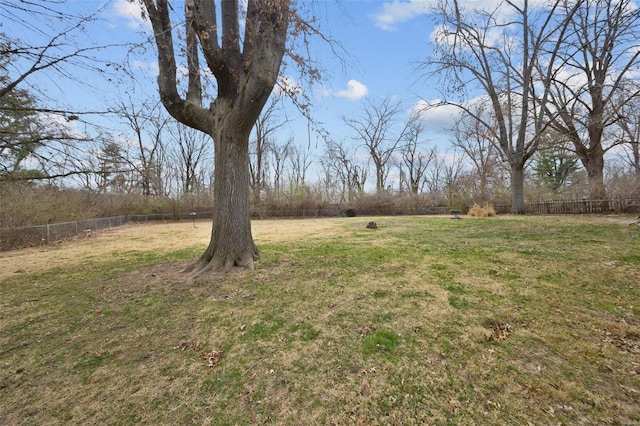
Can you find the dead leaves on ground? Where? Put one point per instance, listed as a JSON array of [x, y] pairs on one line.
[[210, 359], [629, 342], [365, 329], [499, 332]]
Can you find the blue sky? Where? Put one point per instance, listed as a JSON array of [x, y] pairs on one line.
[[383, 56], [382, 41]]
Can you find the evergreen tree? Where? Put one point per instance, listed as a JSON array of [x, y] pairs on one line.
[[556, 167]]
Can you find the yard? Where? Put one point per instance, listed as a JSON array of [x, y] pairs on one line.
[[424, 320]]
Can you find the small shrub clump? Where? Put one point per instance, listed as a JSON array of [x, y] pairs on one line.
[[486, 210]]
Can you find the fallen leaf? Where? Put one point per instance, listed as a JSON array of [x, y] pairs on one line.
[[499, 332], [212, 358]]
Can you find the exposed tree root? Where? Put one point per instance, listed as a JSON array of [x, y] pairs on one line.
[[220, 264]]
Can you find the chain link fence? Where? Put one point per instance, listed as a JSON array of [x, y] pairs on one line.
[[52, 232], [11, 238]]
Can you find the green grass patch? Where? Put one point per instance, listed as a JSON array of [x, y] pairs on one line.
[[509, 320], [382, 342]]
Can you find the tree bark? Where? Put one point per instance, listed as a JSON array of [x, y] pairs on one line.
[[246, 69], [517, 189], [231, 241], [591, 156], [594, 163]]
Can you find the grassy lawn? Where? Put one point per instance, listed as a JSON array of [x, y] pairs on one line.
[[509, 320]]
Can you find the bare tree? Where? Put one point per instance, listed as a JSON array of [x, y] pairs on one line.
[[267, 125], [42, 41], [434, 181], [299, 163], [497, 53], [339, 162], [478, 145], [375, 130], [147, 124], [599, 53], [414, 157], [279, 154], [328, 183], [35, 144], [191, 150], [630, 129], [454, 178], [243, 50], [51, 49]]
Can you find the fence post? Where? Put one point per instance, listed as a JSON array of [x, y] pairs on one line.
[[47, 233]]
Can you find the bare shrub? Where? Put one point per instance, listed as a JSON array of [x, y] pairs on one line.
[[375, 204], [24, 204]]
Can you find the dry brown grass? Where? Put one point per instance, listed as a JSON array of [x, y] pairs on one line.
[[108, 245], [485, 210]]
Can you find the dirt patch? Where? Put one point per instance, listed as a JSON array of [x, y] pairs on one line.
[[163, 237]]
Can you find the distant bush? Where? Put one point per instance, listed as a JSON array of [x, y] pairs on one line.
[[23, 205], [398, 204], [486, 210], [348, 213]]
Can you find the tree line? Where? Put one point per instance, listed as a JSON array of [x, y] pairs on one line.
[[542, 96]]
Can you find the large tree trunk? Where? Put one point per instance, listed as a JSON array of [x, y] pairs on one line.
[[484, 197], [246, 68], [635, 158], [517, 189], [415, 187], [379, 177], [231, 241], [593, 161]]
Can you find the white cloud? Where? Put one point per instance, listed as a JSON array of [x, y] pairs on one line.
[[396, 12], [287, 85], [355, 90], [445, 36], [436, 119], [132, 12], [150, 68], [58, 124], [442, 35], [399, 11], [124, 141]]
